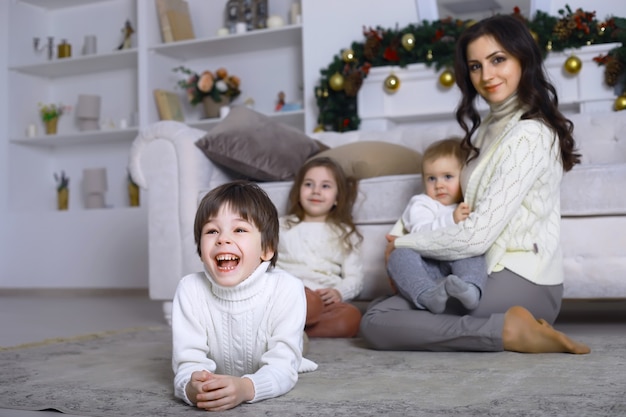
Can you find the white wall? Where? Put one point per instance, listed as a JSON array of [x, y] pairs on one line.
[[602, 8], [80, 253], [332, 25], [4, 40]]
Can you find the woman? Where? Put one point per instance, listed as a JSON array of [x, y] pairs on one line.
[[511, 182]]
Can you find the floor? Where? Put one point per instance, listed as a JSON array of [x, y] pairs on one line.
[[28, 317]]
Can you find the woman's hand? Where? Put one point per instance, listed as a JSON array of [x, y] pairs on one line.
[[218, 392], [329, 295]]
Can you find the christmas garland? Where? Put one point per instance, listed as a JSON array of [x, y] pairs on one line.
[[433, 43]]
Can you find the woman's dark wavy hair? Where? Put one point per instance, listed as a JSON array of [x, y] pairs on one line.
[[534, 90], [347, 190]]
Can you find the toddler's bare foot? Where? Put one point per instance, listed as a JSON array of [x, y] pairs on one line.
[[523, 333]]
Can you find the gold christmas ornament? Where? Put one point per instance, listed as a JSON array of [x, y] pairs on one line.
[[573, 65], [534, 35], [470, 23], [319, 128], [446, 78], [429, 55], [620, 103], [392, 83], [348, 55], [549, 46], [408, 41], [336, 82]]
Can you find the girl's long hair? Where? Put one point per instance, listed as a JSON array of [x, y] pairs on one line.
[[534, 91], [347, 190]]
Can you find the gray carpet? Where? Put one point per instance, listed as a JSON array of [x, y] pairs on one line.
[[128, 373]]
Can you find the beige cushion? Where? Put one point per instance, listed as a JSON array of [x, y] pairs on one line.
[[369, 159], [253, 146]]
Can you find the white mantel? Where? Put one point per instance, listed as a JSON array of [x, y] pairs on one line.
[[422, 99]]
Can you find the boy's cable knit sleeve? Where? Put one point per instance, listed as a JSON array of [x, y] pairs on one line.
[[188, 335], [510, 172], [278, 373]]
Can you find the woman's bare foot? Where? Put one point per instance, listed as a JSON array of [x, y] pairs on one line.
[[523, 333]]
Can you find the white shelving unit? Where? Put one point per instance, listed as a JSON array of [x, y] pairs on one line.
[[125, 80], [266, 60]]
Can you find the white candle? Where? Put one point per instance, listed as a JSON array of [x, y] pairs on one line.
[[31, 130]]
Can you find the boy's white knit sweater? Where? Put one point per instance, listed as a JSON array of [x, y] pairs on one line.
[[514, 195], [252, 330]]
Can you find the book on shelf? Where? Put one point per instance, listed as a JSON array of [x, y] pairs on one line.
[[168, 105], [164, 23], [174, 20]]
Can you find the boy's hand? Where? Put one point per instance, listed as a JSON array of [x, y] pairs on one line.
[[461, 212], [329, 295], [220, 392]]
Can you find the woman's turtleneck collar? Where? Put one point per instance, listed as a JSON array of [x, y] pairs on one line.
[[505, 107], [245, 290]]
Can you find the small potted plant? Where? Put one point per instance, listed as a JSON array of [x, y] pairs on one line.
[[212, 89], [63, 192], [50, 114]]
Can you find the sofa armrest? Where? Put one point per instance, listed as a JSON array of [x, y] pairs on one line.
[[165, 161]]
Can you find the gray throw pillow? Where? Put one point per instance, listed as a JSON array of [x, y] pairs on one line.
[[256, 147]]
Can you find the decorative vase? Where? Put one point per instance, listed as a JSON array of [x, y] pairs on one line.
[[133, 194], [63, 196], [212, 107], [95, 185], [51, 126]]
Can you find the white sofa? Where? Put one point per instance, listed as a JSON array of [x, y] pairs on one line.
[[175, 173]]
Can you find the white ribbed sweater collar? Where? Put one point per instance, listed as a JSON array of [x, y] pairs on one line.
[[247, 289], [490, 131]]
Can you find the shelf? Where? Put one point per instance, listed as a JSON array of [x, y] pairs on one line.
[[60, 4], [80, 138], [66, 67], [291, 118], [259, 39]]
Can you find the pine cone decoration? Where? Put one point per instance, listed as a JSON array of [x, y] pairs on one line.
[[612, 72], [352, 83], [371, 47], [562, 29]]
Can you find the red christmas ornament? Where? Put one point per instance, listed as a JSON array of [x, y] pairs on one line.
[[391, 54]]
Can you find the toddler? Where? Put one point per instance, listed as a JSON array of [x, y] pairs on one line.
[[428, 283]]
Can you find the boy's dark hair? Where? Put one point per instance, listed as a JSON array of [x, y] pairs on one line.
[[445, 147], [251, 202], [347, 191]]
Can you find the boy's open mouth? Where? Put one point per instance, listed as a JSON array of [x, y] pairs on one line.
[[227, 261]]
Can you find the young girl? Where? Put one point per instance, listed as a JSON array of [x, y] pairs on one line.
[[237, 326], [319, 244]]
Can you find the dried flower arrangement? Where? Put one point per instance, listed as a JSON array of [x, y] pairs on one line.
[[209, 84]]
